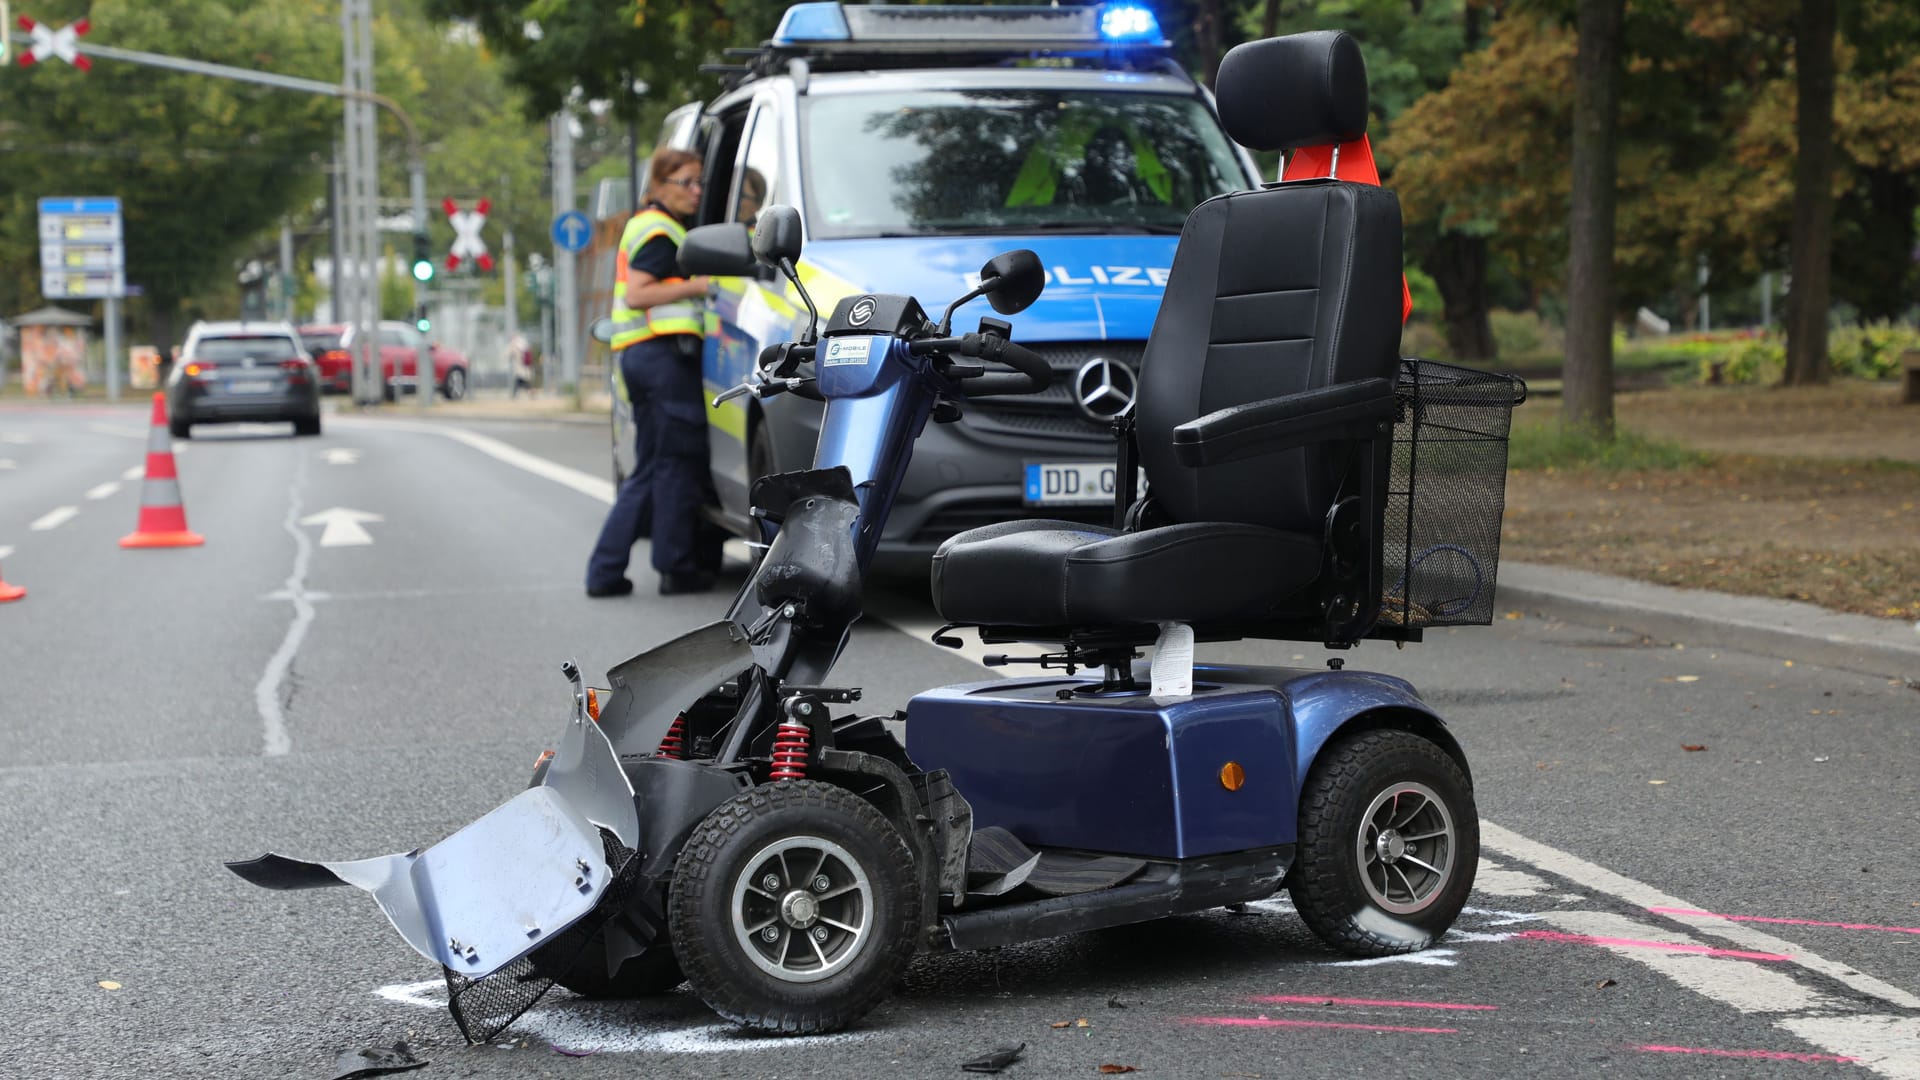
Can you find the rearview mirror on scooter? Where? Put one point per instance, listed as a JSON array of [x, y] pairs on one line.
[[1012, 281], [719, 250], [602, 329], [776, 236]]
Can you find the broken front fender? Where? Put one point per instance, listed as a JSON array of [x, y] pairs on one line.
[[499, 888]]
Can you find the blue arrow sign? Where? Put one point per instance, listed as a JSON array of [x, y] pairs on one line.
[[103, 205], [572, 230]]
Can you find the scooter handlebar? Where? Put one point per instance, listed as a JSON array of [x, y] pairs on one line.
[[1031, 373]]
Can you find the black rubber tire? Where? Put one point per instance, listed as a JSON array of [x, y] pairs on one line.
[[1325, 880], [307, 425], [180, 429], [700, 921], [456, 384]]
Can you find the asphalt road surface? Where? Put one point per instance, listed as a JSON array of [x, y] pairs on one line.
[[1646, 909]]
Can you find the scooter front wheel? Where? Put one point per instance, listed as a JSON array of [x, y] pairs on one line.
[[793, 908], [1389, 841]]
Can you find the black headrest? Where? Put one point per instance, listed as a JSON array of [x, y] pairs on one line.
[[1299, 90]]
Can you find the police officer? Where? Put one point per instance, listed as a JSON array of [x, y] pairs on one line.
[[657, 322]]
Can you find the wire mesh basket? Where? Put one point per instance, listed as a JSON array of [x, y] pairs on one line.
[[1447, 492]]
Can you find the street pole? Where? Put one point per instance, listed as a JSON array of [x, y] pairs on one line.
[[566, 301], [423, 354], [513, 302], [113, 348], [286, 270], [334, 201]]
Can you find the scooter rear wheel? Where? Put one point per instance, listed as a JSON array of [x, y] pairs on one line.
[[793, 908], [1389, 841]]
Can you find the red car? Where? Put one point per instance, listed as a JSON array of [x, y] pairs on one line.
[[399, 352]]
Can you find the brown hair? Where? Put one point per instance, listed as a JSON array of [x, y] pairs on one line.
[[667, 162]]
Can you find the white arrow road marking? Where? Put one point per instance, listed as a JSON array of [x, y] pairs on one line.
[[134, 472], [342, 526], [101, 491], [53, 519], [341, 455]]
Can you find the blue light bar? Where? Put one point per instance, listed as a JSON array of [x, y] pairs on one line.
[[812, 22], [1128, 22], [1122, 24]]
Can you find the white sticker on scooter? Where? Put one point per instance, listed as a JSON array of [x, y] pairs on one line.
[[848, 352]]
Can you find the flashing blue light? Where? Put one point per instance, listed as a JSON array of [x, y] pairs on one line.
[[812, 22], [1128, 22]]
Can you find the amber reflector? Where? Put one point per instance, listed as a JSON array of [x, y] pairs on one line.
[[1232, 776]]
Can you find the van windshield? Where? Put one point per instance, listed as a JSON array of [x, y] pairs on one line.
[[1010, 160]]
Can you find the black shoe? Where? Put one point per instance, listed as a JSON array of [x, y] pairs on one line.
[[673, 584], [618, 588]]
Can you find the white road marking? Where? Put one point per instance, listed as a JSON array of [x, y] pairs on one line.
[[341, 455], [1750, 986], [101, 491], [53, 519], [5, 551], [115, 429], [1428, 958], [266, 692], [342, 526], [7, 463], [1600, 879], [1499, 881], [134, 472], [587, 1027], [1889, 1045], [592, 486], [17, 438]]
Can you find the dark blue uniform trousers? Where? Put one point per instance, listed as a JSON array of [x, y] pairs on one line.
[[670, 481]]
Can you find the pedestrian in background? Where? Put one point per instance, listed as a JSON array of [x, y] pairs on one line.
[[520, 363], [657, 333]]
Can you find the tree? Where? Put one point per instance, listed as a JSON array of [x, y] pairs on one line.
[[1812, 195], [1587, 379]]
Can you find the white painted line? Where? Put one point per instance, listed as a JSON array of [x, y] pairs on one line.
[[1499, 881], [115, 429], [5, 551], [591, 486], [101, 491], [6, 463], [266, 692], [53, 519], [341, 455], [342, 526], [1889, 1045], [17, 438], [134, 472], [1750, 986], [1636, 894]]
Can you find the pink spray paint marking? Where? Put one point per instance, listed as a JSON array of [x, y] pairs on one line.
[[1309, 999], [1785, 922], [1263, 1022], [1633, 943], [1764, 1055]]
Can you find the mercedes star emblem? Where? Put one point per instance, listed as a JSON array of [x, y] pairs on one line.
[[862, 312], [1104, 388]]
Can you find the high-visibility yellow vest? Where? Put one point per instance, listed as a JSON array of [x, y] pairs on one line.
[[632, 325], [1039, 175]]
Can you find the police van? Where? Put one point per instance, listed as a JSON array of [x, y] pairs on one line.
[[917, 142]]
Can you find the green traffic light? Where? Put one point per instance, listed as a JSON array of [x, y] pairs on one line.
[[423, 270], [424, 324]]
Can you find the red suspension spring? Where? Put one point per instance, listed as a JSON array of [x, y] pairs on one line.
[[673, 746], [790, 752]]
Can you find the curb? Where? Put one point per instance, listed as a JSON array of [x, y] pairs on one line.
[[1787, 629]]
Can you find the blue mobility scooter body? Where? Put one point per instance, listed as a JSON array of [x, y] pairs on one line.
[[721, 817]]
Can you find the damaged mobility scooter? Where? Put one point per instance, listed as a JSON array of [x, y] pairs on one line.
[[723, 815]]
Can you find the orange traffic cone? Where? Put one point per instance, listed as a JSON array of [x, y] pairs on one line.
[[163, 521], [10, 592]]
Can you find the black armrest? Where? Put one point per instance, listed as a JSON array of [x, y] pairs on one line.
[[1344, 411]]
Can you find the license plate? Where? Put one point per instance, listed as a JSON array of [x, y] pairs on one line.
[[250, 386], [1068, 483]]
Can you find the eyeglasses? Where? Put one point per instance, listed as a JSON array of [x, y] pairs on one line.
[[688, 184]]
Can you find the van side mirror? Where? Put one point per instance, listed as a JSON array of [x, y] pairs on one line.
[[776, 235], [1012, 281], [717, 250]]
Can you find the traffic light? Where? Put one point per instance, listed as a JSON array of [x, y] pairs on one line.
[[420, 318], [422, 258]]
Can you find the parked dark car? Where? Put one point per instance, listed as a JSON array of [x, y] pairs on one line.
[[399, 360], [233, 371]]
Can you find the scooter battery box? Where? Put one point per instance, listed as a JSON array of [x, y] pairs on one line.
[[1128, 774]]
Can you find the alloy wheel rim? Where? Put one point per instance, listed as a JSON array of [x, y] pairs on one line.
[[802, 909], [1405, 848]]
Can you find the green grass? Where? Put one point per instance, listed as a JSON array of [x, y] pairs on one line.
[[1551, 445]]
